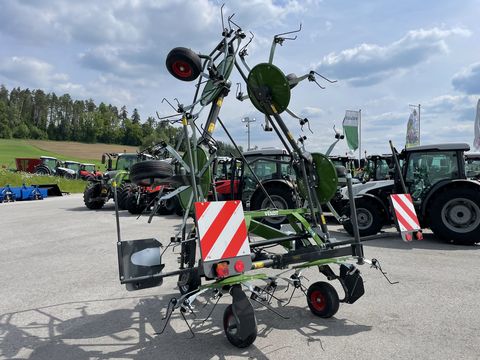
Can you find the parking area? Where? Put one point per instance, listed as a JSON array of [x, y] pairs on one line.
[[61, 298]]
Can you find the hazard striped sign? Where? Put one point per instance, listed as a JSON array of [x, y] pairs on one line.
[[405, 212], [222, 230]]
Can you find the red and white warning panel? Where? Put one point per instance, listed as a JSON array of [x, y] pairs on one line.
[[223, 235], [406, 217]]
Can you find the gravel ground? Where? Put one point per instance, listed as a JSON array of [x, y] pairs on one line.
[[61, 298]]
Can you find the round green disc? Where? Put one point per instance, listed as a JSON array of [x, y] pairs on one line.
[[327, 178], [205, 180], [269, 81], [211, 90]]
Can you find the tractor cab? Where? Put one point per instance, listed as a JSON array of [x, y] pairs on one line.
[[72, 165], [50, 162], [426, 167], [472, 166], [377, 167]]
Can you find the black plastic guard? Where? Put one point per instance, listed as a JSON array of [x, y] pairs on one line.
[[243, 312], [352, 283], [140, 258]]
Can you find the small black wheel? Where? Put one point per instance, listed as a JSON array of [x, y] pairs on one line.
[[230, 326], [146, 173], [282, 196], [184, 64], [91, 196], [168, 207], [190, 281], [455, 215], [322, 299], [369, 216]]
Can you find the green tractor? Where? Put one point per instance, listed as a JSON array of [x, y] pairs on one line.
[[99, 190]]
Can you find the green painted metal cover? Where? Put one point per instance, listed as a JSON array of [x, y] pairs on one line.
[[205, 180], [327, 177], [211, 90], [268, 77]]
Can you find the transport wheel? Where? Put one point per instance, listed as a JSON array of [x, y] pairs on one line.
[[184, 64], [92, 191], [146, 173], [322, 299], [190, 281], [230, 326], [282, 197], [369, 216], [455, 216]]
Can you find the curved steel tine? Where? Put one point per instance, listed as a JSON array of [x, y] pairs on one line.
[[289, 32], [325, 78]]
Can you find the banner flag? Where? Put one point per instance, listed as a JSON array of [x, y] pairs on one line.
[[350, 128], [476, 140], [413, 130]]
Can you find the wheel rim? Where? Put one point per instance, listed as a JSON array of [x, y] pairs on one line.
[[364, 218], [318, 300], [280, 204], [461, 215], [182, 68]]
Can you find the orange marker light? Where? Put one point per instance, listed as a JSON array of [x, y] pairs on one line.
[[222, 269]]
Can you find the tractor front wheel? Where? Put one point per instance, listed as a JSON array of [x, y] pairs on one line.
[[455, 216], [91, 196], [369, 217]]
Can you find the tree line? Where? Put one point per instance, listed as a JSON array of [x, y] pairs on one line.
[[34, 114]]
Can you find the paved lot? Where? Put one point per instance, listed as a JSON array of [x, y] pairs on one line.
[[61, 299]]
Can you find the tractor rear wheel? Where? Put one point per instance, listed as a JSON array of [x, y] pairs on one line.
[[91, 196], [132, 204], [123, 193], [282, 197], [42, 170], [455, 216], [146, 173], [369, 216]]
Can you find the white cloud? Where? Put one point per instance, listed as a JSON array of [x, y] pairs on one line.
[[367, 64], [468, 79], [30, 71]]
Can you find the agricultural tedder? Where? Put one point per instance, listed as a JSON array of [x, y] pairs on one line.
[[234, 244]]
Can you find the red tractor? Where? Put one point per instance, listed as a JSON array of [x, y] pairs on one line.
[[89, 172]]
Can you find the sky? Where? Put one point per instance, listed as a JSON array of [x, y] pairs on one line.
[[385, 56]]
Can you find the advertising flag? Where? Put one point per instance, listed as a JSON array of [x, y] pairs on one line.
[[476, 140], [413, 130], [350, 128]]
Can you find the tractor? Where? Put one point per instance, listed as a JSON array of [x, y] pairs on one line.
[[444, 199], [89, 172], [99, 190], [52, 166], [73, 165], [377, 167]]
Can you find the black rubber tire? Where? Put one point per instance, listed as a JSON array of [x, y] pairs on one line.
[[42, 170], [184, 64], [131, 203], [455, 203], [322, 299], [369, 215], [282, 195], [122, 194], [229, 323], [68, 176], [188, 282], [146, 173], [93, 190]]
